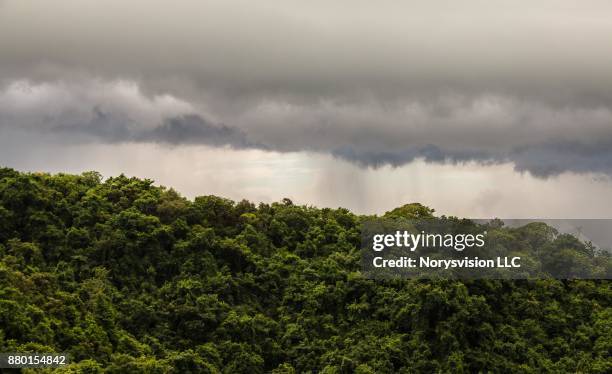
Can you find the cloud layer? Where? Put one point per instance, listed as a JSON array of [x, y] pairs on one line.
[[537, 138], [373, 83]]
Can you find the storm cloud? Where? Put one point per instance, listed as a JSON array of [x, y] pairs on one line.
[[372, 83], [115, 112], [537, 138]]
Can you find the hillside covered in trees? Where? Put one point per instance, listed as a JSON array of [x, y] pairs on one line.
[[128, 277]]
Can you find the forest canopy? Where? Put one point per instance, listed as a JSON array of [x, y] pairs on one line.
[[127, 276]]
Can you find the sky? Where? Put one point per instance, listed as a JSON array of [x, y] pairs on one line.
[[474, 108]]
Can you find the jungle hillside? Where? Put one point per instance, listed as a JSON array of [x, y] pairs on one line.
[[129, 277]]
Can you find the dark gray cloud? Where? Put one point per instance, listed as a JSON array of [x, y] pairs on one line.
[[551, 159], [540, 160], [429, 153], [193, 129], [184, 129], [103, 126], [114, 112]]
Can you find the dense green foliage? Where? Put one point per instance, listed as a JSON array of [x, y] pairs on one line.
[[129, 277]]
